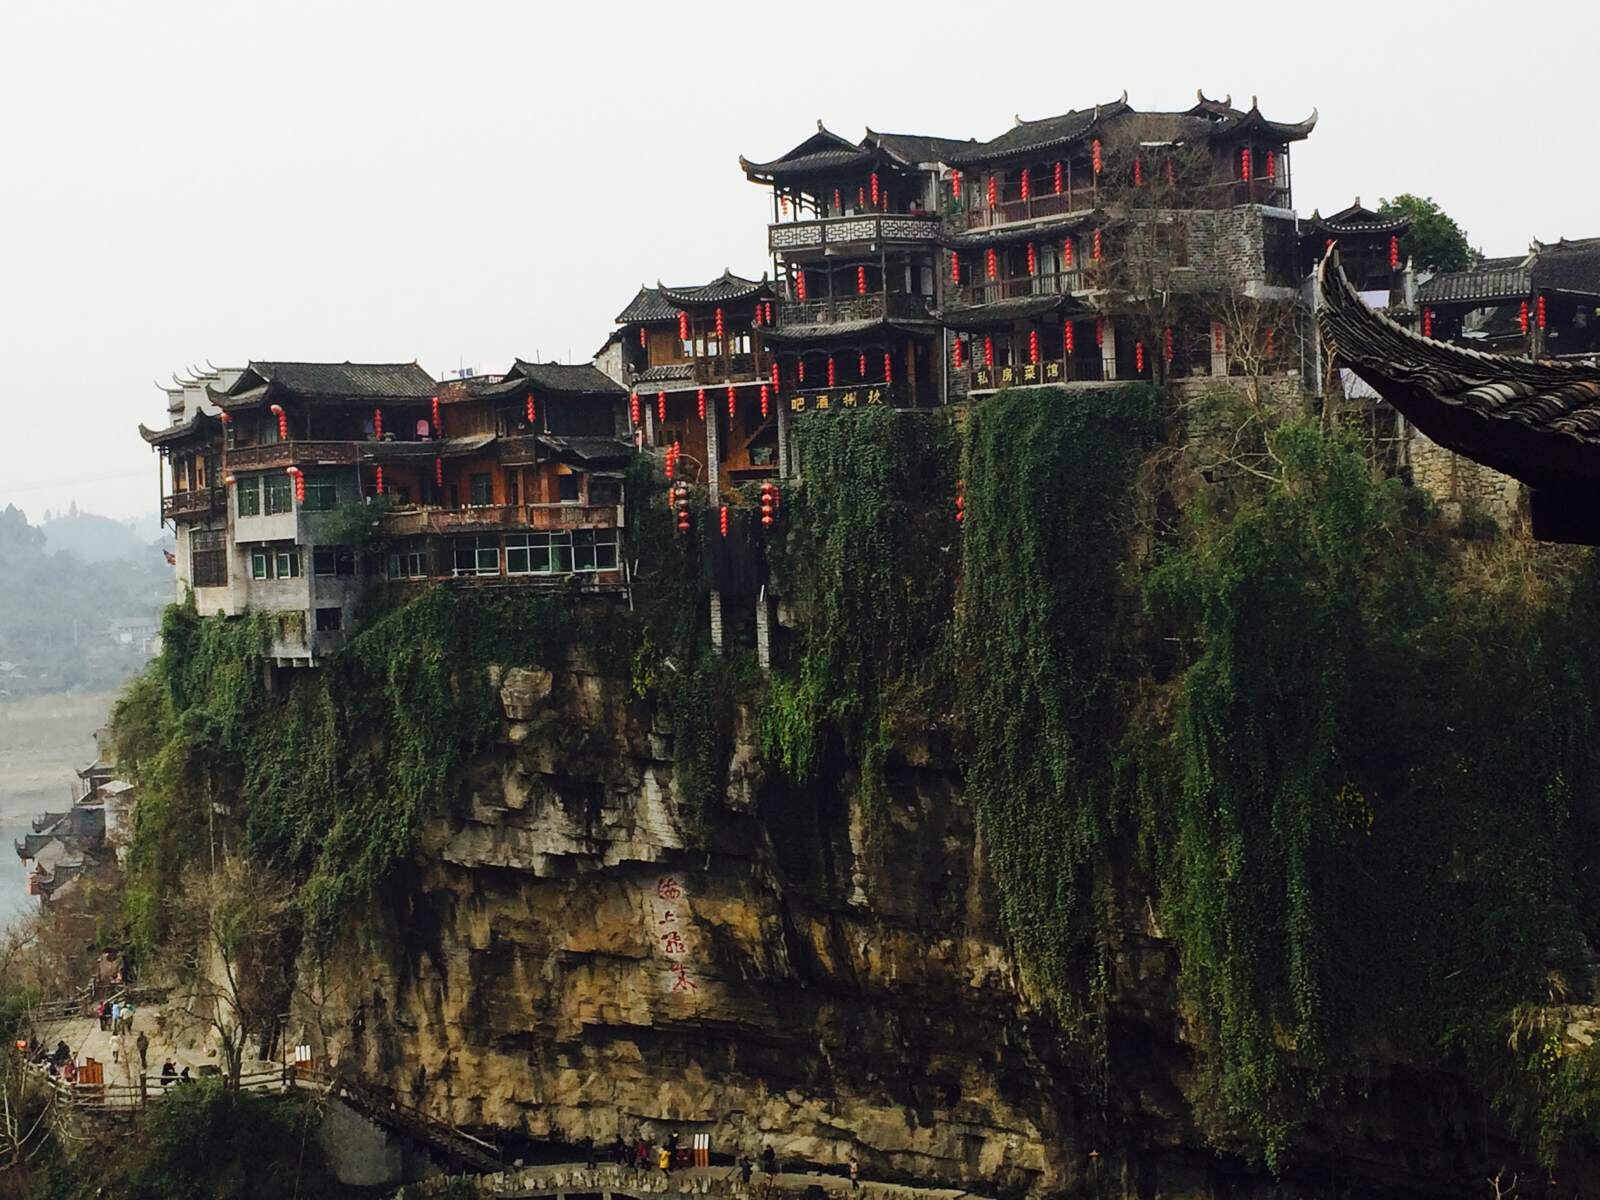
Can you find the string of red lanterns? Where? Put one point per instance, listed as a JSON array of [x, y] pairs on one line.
[[1244, 164], [838, 202], [438, 426], [438, 472], [1166, 344], [377, 424], [283, 421], [776, 378], [732, 406], [766, 400], [532, 410], [769, 503], [1138, 358], [700, 403], [683, 326], [680, 497], [800, 284], [634, 411], [1272, 166], [299, 478], [661, 406], [861, 281], [988, 350], [1027, 191], [955, 183], [643, 338], [1427, 322], [1096, 155], [1066, 252], [722, 520], [991, 263], [378, 477], [1394, 253], [875, 189], [888, 367], [861, 197], [720, 324], [1033, 345], [1098, 245], [1522, 317], [1033, 259], [955, 353], [1138, 172], [1066, 336], [993, 190], [861, 366], [831, 371], [955, 267], [961, 501], [1058, 179], [1539, 308], [670, 464]]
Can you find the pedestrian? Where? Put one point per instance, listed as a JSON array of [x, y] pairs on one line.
[[619, 1151], [183, 1075], [143, 1046], [104, 1014], [116, 1016], [664, 1160], [745, 1167], [769, 1160], [127, 1018], [855, 1174], [62, 1054], [641, 1154], [168, 1072], [588, 1151]]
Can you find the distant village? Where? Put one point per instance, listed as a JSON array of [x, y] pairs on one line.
[[1104, 245]]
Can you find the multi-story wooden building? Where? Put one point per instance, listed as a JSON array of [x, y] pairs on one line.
[[513, 479], [1369, 248], [1545, 303]]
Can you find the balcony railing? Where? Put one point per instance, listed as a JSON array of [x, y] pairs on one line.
[[487, 518], [1016, 287], [195, 503], [851, 230], [874, 306], [1271, 192], [291, 454], [736, 368], [1051, 204]]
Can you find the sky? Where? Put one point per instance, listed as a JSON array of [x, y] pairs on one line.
[[462, 182]]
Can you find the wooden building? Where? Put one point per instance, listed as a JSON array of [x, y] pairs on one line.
[[1543, 303]]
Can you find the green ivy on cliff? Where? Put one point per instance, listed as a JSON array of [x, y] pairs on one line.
[[869, 567], [1042, 612]]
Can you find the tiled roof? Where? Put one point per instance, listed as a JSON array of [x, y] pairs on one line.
[[1568, 266], [723, 288], [822, 151], [1004, 312], [200, 425], [588, 451], [833, 331], [1454, 287], [1357, 219], [1028, 136], [402, 381], [666, 373], [1535, 421], [1041, 231], [913, 149], [576, 378], [648, 305]]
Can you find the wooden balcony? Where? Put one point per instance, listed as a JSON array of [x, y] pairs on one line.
[[874, 306], [856, 230], [736, 368], [491, 518], [195, 504], [1051, 204], [1018, 287], [291, 454]]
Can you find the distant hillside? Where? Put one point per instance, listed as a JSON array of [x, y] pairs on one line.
[[58, 598], [92, 538]]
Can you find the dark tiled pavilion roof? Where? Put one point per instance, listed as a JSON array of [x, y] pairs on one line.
[[720, 290], [1537, 421], [1357, 219], [1478, 286], [1004, 312], [913, 149], [822, 151], [327, 381], [647, 306], [1568, 266], [1047, 133], [200, 425]]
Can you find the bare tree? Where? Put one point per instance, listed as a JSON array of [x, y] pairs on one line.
[[231, 952]]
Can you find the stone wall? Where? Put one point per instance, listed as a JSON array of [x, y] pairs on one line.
[[1461, 485]]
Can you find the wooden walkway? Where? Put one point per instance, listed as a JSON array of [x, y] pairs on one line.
[[725, 1183]]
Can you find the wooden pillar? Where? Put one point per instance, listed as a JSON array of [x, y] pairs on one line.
[[1108, 351]]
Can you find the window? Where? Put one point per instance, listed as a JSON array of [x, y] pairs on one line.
[[477, 555], [512, 490], [594, 549], [267, 430], [328, 561], [208, 557], [482, 489], [260, 563], [249, 493], [322, 494], [408, 561], [605, 491], [278, 493], [330, 620], [568, 485], [288, 563]]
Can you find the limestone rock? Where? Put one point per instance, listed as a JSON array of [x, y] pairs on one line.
[[523, 689]]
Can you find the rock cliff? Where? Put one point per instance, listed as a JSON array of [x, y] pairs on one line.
[[571, 955]]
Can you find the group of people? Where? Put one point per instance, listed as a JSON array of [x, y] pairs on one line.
[[115, 1015], [643, 1157]]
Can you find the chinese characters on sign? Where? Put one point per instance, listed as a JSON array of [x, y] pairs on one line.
[[868, 394], [668, 912]]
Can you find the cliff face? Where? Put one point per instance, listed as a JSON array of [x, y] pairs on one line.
[[560, 962]]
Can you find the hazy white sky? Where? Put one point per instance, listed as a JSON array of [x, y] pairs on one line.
[[463, 182]]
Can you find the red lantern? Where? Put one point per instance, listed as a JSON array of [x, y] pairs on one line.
[[861, 367], [661, 406], [299, 477], [1066, 336], [377, 424], [993, 190], [1066, 252], [955, 183], [776, 377], [283, 420], [766, 400], [783, 205], [861, 198], [1427, 322], [378, 476], [1138, 358], [670, 465], [1033, 345], [1522, 317], [722, 520], [1033, 259], [988, 350], [1096, 155], [633, 409], [719, 324], [961, 501], [1138, 172], [641, 337], [1098, 246], [768, 306], [1166, 344], [1058, 179], [874, 189], [438, 471], [1217, 343], [1394, 254], [680, 496], [838, 202], [888, 367], [861, 281], [1272, 165], [732, 407], [800, 285], [831, 374], [683, 325], [1539, 309], [1244, 164], [800, 369], [991, 263], [955, 267], [767, 505], [700, 403], [532, 410], [438, 428], [1099, 331], [955, 353], [225, 417], [1027, 191]]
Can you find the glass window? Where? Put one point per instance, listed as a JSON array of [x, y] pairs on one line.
[[594, 550], [477, 555], [260, 564], [482, 489], [248, 491], [208, 557], [322, 494], [512, 489], [569, 488], [277, 493], [329, 620], [323, 561], [267, 431], [408, 561], [288, 563], [605, 491]]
